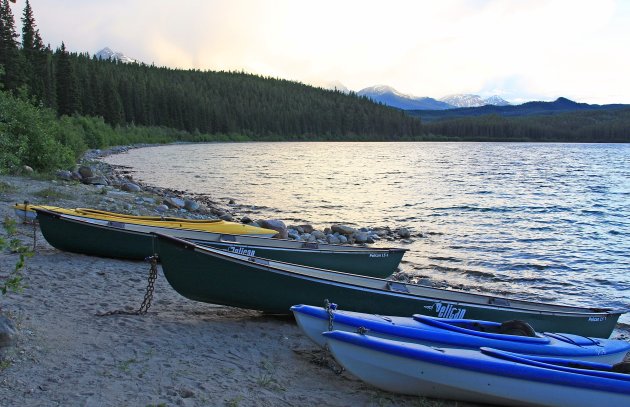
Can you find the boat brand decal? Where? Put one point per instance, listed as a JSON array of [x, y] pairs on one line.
[[596, 319], [379, 254], [242, 250], [447, 311]]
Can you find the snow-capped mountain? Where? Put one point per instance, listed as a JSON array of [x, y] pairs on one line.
[[468, 100], [497, 101], [107, 53], [391, 97]]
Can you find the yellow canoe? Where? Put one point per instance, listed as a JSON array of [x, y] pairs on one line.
[[26, 211]]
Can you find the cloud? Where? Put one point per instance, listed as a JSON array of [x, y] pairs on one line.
[[553, 47]]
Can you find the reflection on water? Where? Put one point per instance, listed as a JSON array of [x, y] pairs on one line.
[[541, 221]]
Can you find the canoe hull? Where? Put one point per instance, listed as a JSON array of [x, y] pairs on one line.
[[471, 376], [219, 278], [366, 263], [24, 211], [128, 242], [315, 320]]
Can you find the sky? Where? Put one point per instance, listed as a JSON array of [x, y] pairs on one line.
[[520, 50]]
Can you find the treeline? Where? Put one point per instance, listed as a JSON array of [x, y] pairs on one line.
[[609, 126], [195, 101], [35, 136]]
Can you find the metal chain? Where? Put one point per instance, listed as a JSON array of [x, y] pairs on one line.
[[330, 308], [327, 358], [148, 295], [34, 235], [329, 361]]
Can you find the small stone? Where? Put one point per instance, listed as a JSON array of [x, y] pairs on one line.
[[161, 208], [342, 239], [130, 187], [246, 220]]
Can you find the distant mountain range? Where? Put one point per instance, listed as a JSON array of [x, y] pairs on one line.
[[107, 53], [391, 97], [560, 105]]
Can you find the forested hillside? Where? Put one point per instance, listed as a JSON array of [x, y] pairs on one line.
[[191, 100], [609, 126]]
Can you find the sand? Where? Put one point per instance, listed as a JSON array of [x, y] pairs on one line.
[[181, 353]]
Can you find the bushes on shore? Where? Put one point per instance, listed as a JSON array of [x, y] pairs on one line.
[[34, 136], [30, 136]]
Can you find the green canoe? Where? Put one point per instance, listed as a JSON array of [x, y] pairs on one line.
[[133, 241], [214, 276]]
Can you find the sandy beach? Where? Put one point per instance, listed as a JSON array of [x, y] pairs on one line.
[[181, 353]]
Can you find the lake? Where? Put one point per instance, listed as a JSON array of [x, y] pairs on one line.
[[547, 222]]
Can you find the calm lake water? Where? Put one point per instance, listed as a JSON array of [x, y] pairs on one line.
[[546, 222]]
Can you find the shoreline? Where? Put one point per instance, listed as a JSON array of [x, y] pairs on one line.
[[181, 353]]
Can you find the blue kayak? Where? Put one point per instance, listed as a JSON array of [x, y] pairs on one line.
[[482, 375], [512, 336]]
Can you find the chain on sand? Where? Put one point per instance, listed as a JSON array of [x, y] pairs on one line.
[[148, 296]]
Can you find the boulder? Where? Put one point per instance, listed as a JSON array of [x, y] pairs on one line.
[[8, 333], [226, 216], [306, 228], [64, 174], [96, 180], [246, 219], [174, 202], [191, 205], [130, 187], [318, 234], [86, 171], [342, 239], [275, 224], [404, 233], [293, 234], [161, 208], [361, 237], [27, 169], [343, 230], [332, 239]]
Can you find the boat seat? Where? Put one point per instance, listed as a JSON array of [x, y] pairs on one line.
[[398, 287], [114, 224], [499, 301]]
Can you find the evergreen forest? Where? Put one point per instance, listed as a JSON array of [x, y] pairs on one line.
[[56, 104]]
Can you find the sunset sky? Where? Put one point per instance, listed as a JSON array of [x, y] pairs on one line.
[[520, 50]]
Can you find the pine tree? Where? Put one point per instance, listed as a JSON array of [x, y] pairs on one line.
[[34, 55], [67, 92], [10, 56]]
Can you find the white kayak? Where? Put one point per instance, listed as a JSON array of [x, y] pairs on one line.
[[480, 376], [512, 336]]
